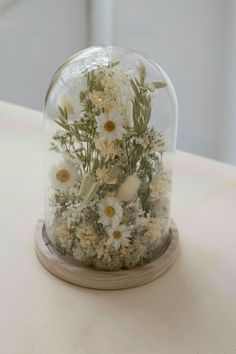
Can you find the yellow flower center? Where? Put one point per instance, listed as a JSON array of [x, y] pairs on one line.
[[109, 126], [117, 234], [109, 211], [63, 176]]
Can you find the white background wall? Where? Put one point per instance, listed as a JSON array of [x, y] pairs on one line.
[[188, 39], [193, 40], [36, 36]]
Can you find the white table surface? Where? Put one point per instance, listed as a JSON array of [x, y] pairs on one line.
[[189, 310]]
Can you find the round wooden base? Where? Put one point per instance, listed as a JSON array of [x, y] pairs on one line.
[[70, 270]]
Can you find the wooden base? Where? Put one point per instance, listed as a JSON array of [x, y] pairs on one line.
[[68, 269]]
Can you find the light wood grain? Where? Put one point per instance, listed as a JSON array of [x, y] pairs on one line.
[[66, 268]]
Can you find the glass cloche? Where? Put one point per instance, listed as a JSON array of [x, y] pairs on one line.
[[110, 134]]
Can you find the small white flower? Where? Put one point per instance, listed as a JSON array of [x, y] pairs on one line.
[[154, 229], [159, 187], [108, 149], [63, 175], [118, 236], [99, 99], [161, 146], [71, 157], [110, 211], [109, 126]]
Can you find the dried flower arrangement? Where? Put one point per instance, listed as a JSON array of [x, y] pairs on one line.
[[110, 191]]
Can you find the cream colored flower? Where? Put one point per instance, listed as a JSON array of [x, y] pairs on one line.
[[110, 211], [63, 175], [63, 234], [101, 246], [106, 175], [127, 250], [118, 235], [129, 188], [86, 235], [159, 187], [108, 149], [154, 229], [64, 237], [154, 142], [109, 126], [99, 99]]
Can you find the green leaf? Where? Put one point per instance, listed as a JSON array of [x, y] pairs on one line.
[[134, 87], [156, 85]]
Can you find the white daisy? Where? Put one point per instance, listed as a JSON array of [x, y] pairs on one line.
[[110, 211], [109, 126], [118, 235], [63, 175]]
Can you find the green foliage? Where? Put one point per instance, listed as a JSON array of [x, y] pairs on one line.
[[78, 137], [142, 101]]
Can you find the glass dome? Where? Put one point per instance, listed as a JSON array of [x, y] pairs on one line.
[[110, 133]]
